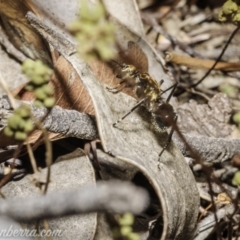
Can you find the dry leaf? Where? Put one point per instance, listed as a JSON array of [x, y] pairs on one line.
[[21, 34], [206, 119], [69, 91]]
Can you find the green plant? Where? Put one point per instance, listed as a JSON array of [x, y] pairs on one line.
[[93, 32], [236, 179], [230, 11], [19, 124], [39, 74], [125, 228]]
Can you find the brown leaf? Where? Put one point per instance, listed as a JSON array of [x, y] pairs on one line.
[[21, 34], [69, 91]]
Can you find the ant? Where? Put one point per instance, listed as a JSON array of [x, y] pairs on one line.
[[148, 93]]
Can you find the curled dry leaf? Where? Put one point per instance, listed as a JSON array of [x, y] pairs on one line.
[[69, 91], [21, 34]]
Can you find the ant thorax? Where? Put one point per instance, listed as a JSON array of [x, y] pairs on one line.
[[147, 87]]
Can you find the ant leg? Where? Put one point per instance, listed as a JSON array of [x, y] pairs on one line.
[[171, 93], [135, 107], [168, 140], [173, 87], [168, 88]]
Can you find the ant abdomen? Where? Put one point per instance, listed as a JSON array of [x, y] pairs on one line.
[[164, 114]]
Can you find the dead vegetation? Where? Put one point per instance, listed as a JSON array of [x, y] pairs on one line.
[[193, 186]]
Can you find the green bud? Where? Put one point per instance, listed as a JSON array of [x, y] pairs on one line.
[[229, 7], [28, 127], [126, 219], [21, 124], [236, 179], [23, 111], [75, 26], [29, 87], [125, 230], [8, 131], [236, 117], [85, 11], [40, 94], [221, 16], [20, 136], [98, 13], [29, 72], [49, 102], [81, 38], [27, 64], [38, 80], [228, 89], [236, 18], [38, 64], [13, 121], [133, 236], [41, 70], [38, 103], [47, 89], [88, 29]]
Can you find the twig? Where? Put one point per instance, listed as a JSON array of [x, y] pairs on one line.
[[48, 146], [175, 3], [207, 171], [201, 63], [209, 148], [114, 196], [209, 222], [32, 158], [6, 89], [193, 91], [218, 59]]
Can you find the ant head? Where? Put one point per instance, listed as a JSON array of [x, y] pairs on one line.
[[128, 68], [164, 114]]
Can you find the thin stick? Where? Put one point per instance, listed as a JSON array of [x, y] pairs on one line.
[[32, 158], [6, 89], [218, 59], [48, 154]]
